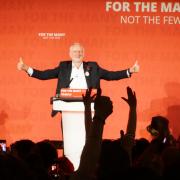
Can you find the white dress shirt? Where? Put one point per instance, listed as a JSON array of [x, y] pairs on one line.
[[78, 77]]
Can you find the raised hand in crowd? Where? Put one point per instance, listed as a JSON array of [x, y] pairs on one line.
[[128, 139], [90, 155], [131, 100], [103, 107], [88, 99]]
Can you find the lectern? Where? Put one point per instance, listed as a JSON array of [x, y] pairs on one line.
[[70, 104]]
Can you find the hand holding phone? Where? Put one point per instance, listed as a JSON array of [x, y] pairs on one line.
[[3, 145]]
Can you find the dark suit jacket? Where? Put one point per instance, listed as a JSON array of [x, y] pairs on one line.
[[63, 73]]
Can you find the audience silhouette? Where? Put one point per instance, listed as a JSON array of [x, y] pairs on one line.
[[121, 158]]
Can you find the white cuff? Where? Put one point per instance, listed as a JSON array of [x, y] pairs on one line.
[[128, 73], [30, 71]]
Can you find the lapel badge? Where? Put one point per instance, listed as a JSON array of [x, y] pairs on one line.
[[86, 73], [88, 69]]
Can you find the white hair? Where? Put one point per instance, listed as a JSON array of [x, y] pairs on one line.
[[76, 44]]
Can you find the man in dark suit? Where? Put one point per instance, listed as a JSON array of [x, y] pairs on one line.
[[77, 74]]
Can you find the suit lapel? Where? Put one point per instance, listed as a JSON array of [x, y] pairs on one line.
[[69, 70], [68, 73], [87, 74]]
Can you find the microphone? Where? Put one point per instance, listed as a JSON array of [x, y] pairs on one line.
[[69, 82], [58, 94]]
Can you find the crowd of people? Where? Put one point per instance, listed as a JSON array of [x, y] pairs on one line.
[[101, 159]]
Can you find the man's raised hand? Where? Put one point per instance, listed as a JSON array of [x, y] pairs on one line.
[[135, 68], [21, 65]]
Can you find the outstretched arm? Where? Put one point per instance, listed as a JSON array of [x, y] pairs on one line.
[[117, 75], [42, 75]]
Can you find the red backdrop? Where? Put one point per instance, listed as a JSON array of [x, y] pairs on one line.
[[24, 101]]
